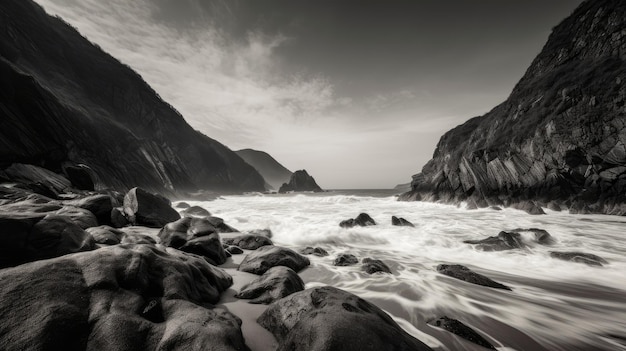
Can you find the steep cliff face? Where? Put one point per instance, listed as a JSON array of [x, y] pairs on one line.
[[561, 134], [63, 100], [272, 171]]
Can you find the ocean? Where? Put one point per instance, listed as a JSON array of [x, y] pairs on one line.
[[554, 304]]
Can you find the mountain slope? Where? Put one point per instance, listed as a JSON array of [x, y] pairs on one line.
[[561, 134], [64, 100], [274, 173]]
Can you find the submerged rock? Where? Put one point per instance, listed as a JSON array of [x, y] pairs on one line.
[[326, 318], [316, 251], [274, 284], [150, 210], [266, 257], [460, 272], [248, 241], [345, 259], [372, 266], [194, 235], [399, 221], [363, 220], [579, 257], [462, 330], [504, 241]]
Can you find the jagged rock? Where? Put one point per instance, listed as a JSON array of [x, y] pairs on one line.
[[317, 251], [106, 235], [248, 241], [580, 257], [183, 205], [345, 259], [150, 210], [266, 257], [118, 218], [363, 220], [272, 171], [401, 222], [117, 298], [195, 211], [100, 205], [372, 266], [37, 179], [33, 236], [529, 207], [80, 176], [504, 241], [463, 273], [274, 284], [234, 250], [194, 235], [300, 181], [456, 327], [326, 318]]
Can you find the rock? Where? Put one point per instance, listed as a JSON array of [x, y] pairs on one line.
[[274, 284], [348, 223], [248, 242], [363, 220], [496, 208], [234, 250], [106, 235], [463, 273], [372, 266], [541, 236], [118, 218], [194, 235], [183, 205], [81, 176], [504, 241], [266, 257], [220, 226], [326, 318], [117, 298], [580, 257], [530, 207], [137, 239], [263, 232], [195, 211], [345, 259], [317, 251], [83, 218], [462, 330], [401, 222], [37, 179], [150, 210], [300, 181], [100, 205], [27, 237]]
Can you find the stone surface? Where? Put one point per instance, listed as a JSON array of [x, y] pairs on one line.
[[274, 284], [504, 241], [326, 318], [194, 235], [106, 235], [362, 220], [182, 205], [345, 259], [316, 251], [399, 221], [117, 298], [80, 176], [300, 181], [456, 327], [195, 211], [150, 210], [372, 266], [266, 257], [460, 272], [579, 257], [100, 205], [248, 241]]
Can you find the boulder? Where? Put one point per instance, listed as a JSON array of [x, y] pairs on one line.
[[36, 204], [81, 217], [118, 218], [345, 259], [100, 205], [541, 236], [220, 226], [399, 221], [460, 272], [263, 232], [248, 241], [348, 223], [106, 235], [183, 205], [117, 298], [150, 210], [195, 211], [363, 220], [266, 257], [80, 176], [372, 266], [462, 330], [316, 251], [37, 179], [300, 181], [274, 284], [504, 241], [194, 235], [579, 257], [326, 318]]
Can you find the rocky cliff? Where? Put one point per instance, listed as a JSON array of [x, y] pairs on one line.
[[65, 101], [560, 137], [272, 171]]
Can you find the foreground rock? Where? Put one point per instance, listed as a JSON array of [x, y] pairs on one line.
[[460, 272], [106, 235], [117, 298], [326, 318], [345, 259], [362, 220], [462, 330], [300, 181], [150, 210], [194, 235], [195, 211], [274, 284], [399, 221], [372, 266], [579, 257], [266, 257], [100, 205], [248, 241]]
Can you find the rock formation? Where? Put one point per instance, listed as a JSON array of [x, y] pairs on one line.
[[300, 181], [272, 171], [561, 134]]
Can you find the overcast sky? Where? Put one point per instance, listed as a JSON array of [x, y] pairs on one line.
[[357, 92]]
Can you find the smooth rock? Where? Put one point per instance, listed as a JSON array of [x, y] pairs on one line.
[[100, 205], [150, 210], [399, 221], [504, 241], [183, 205], [81, 217], [194, 235], [460, 272], [345, 259], [195, 211], [118, 218], [372, 266], [234, 250], [266, 257], [248, 241], [80, 176], [456, 327], [579, 257], [106, 235], [274, 284], [326, 318], [317, 251]]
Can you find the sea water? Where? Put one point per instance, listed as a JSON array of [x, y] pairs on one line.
[[554, 304]]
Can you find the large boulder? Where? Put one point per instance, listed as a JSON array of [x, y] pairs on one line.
[[461, 272], [106, 235], [579, 257], [194, 235], [81, 217], [81, 176], [194, 211], [274, 284], [117, 298], [37, 179], [326, 318], [458, 328], [300, 181], [100, 205], [362, 220], [248, 241], [150, 210], [26, 237], [266, 257]]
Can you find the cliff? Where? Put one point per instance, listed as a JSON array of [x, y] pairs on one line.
[[65, 101], [272, 171], [560, 137], [300, 181]]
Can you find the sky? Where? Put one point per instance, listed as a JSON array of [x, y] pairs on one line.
[[357, 92]]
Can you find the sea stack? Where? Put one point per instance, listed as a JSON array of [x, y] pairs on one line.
[[300, 181]]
